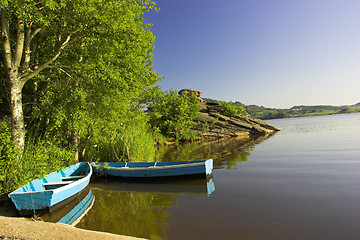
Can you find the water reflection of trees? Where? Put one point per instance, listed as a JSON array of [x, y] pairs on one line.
[[138, 214], [226, 153]]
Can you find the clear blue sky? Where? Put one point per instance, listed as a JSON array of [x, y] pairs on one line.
[[275, 53]]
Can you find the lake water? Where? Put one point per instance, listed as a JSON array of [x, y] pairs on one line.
[[300, 183]]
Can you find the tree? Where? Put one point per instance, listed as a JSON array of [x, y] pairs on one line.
[[172, 113], [99, 41]]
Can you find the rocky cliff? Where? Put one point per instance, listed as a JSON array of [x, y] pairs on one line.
[[214, 124]]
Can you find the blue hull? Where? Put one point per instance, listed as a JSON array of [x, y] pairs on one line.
[[201, 168], [48, 193]]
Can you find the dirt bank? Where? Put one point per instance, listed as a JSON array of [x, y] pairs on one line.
[[21, 228]]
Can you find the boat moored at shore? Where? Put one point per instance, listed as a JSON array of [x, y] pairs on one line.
[[53, 191], [199, 168]]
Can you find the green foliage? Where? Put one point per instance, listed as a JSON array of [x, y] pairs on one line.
[[4, 94], [104, 68], [173, 114], [86, 102], [130, 140], [230, 110], [37, 160], [8, 159], [44, 157], [93, 89]]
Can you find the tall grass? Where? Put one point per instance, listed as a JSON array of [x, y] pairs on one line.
[[131, 141], [37, 160]]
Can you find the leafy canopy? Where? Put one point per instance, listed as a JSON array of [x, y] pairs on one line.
[[173, 114]]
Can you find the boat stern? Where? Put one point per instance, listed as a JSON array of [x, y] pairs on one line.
[[26, 203], [209, 167]]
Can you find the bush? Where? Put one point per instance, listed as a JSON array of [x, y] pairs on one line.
[[230, 110]]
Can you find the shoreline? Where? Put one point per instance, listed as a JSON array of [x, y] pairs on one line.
[[15, 227], [28, 229]]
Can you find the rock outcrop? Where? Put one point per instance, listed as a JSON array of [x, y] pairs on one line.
[[213, 124], [197, 93]]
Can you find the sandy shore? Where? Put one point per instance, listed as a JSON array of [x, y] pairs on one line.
[[21, 228]]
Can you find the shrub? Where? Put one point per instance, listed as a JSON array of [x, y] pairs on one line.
[[230, 110]]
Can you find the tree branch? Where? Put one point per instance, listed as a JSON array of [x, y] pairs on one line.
[[28, 75], [19, 45], [28, 37], [65, 73], [63, 66], [6, 41]]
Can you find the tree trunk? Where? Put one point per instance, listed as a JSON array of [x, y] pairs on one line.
[[76, 143], [17, 117], [12, 61]]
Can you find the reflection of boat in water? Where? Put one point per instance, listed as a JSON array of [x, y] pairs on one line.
[[74, 211], [140, 208], [185, 186], [201, 168]]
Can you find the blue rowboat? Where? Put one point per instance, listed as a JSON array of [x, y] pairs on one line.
[[200, 168], [53, 191]]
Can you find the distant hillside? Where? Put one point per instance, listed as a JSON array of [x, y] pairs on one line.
[[316, 107], [296, 111]]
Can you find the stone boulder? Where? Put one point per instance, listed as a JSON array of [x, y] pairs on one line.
[[190, 91]]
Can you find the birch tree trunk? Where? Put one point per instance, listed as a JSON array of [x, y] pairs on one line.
[[17, 116], [12, 59]]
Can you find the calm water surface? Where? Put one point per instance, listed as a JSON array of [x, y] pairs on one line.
[[301, 183]]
